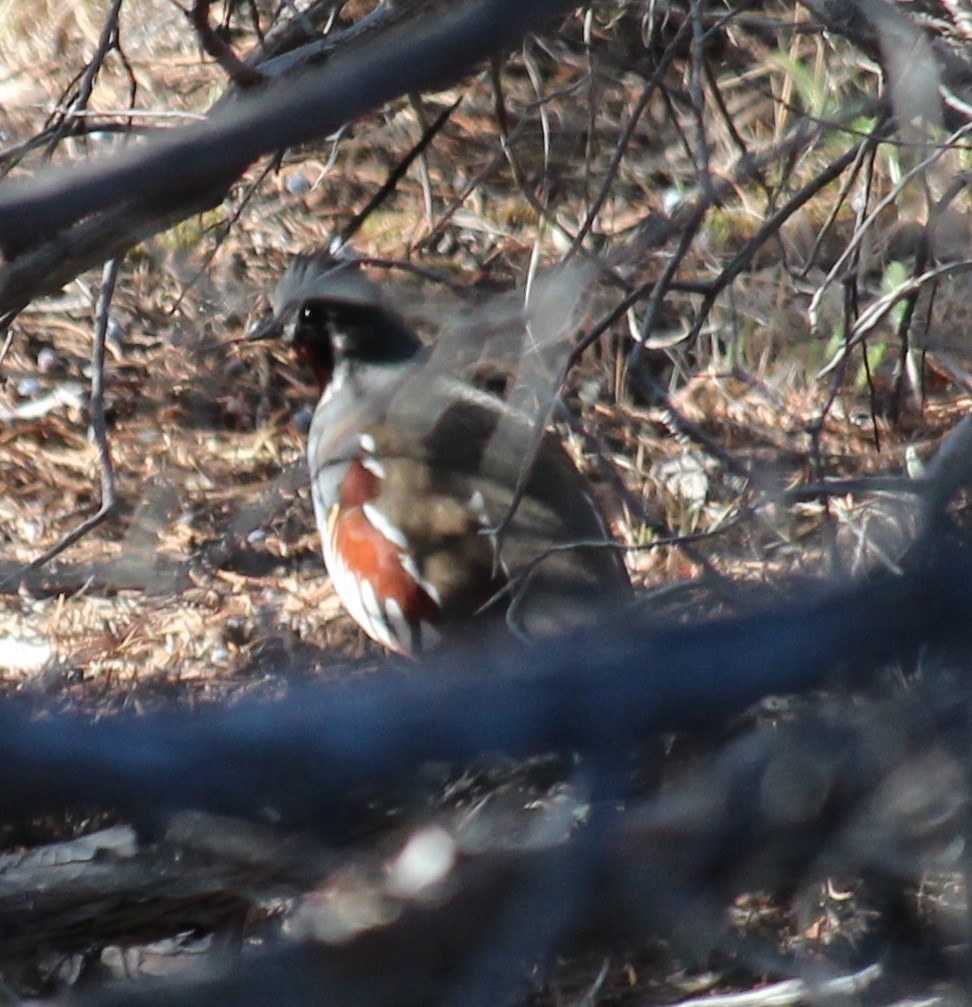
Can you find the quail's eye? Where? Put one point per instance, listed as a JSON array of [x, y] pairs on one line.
[[315, 314]]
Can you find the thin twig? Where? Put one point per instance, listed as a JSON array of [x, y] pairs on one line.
[[544, 214], [225, 226], [283, 36], [698, 101], [425, 178], [840, 266], [878, 309], [659, 232], [99, 431], [396, 175], [771, 226], [107, 41], [611, 172], [5, 349]]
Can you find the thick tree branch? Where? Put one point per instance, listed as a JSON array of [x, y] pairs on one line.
[[171, 176]]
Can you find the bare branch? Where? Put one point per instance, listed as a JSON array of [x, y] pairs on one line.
[[99, 430], [170, 177]]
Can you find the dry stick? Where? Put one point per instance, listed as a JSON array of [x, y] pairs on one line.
[[542, 224], [194, 166], [842, 196], [877, 310], [859, 234], [955, 187], [226, 226], [593, 108], [491, 165], [725, 115], [945, 474], [680, 422], [697, 97], [911, 300], [855, 331], [85, 123], [396, 175], [389, 186], [460, 290], [922, 255], [98, 427], [494, 162], [61, 120], [283, 36], [129, 69], [745, 169], [771, 226], [683, 541], [815, 426], [425, 178], [861, 485], [880, 307], [285, 59], [106, 41], [7, 343], [621, 148], [544, 215], [254, 19], [661, 286]]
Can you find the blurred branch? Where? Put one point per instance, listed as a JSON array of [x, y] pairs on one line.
[[836, 792], [598, 694], [57, 224]]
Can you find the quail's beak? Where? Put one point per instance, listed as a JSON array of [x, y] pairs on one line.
[[269, 327]]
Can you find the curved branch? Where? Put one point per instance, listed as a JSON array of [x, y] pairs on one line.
[[242, 75]]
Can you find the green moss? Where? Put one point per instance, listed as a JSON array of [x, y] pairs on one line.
[[187, 234], [729, 228]]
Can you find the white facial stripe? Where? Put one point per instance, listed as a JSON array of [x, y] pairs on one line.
[[383, 526], [338, 380]]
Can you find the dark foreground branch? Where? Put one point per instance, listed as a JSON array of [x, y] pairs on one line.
[[301, 759], [835, 794]]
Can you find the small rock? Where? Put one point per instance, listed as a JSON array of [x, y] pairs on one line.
[[48, 361]]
